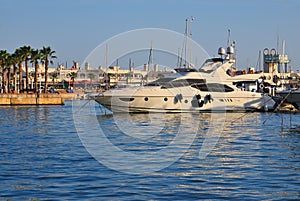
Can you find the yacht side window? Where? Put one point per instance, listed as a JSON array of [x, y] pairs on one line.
[[213, 87]]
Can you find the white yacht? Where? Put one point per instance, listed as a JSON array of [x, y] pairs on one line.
[[210, 89]]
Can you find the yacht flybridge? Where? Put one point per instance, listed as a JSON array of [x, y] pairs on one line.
[[210, 88]]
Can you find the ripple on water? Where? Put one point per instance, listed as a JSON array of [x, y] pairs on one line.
[[255, 158]]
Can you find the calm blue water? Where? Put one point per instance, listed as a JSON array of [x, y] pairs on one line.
[[256, 157]]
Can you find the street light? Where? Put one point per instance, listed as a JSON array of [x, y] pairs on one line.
[[1, 87]]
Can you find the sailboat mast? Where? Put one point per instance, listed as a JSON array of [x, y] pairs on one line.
[[259, 60], [185, 45], [149, 61], [178, 58], [150, 57], [191, 21], [283, 52]]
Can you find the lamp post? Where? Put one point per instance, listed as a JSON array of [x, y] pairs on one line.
[[1, 87], [40, 77]]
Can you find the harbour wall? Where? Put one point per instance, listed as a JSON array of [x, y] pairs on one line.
[[31, 99]]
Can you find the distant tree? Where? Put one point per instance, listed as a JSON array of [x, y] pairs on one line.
[[26, 51], [54, 77], [47, 56], [5, 66], [72, 76], [36, 56], [20, 57], [14, 60]]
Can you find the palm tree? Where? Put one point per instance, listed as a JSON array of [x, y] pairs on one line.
[[36, 55], [20, 56], [2, 66], [8, 74], [54, 77], [72, 76], [13, 60], [26, 51], [5, 65], [47, 55]]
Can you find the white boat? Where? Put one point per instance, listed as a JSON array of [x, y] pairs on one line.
[[208, 89], [291, 96]]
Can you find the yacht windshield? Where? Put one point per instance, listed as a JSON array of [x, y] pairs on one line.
[[173, 82], [213, 87], [211, 65]]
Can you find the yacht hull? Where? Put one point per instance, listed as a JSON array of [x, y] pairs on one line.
[[184, 99]]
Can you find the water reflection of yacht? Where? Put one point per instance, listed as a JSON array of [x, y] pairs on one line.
[[207, 89]]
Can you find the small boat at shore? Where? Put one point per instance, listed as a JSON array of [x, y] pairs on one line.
[[291, 96]]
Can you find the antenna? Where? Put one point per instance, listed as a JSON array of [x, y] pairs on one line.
[[181, 56], [228, 38], [235, 52]]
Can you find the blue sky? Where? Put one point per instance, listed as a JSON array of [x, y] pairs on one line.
[[73, 28]]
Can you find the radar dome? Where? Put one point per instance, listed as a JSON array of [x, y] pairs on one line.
[[230, 50], [221, 51]]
